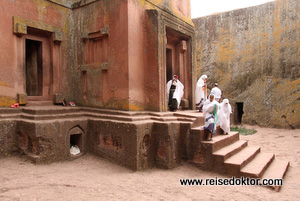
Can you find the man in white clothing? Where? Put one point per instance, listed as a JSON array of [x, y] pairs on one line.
[[174, 93], [216, 92]]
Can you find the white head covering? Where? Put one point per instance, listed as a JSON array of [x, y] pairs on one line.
[[226, 101], [203, 77]]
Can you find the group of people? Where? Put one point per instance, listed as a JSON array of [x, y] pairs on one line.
[[216, 113]]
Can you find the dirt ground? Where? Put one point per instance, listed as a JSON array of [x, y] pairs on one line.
[[93, 178]]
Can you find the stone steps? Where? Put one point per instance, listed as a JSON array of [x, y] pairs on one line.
[[39, 103], [198, 117], [10, 110], [220, 141], [258, 165], [227, 152], [49, 110], [238, 159], [52, 112], [236, 162], [51, 117], [276, 170], [9, 116], [223, 154]]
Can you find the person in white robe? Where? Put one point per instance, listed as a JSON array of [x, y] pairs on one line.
[[224, 116], [174, 93], [210, 112], [201, 92]]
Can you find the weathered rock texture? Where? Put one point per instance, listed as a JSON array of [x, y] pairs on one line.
[[137, 140], [254, 55]]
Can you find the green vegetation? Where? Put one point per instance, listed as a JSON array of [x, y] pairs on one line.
[[243, 131]]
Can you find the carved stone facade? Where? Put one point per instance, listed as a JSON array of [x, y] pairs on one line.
[[107, 54]]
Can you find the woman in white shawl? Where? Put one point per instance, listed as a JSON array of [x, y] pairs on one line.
[[201, 92], [210, 112], [174, 93], [224, 116]]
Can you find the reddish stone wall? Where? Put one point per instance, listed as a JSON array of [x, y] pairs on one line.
[[180, 8], [108, 54], [107, 72], [131, 77], [52, 20], [253, 54]]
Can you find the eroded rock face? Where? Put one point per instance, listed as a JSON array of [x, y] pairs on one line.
[[253, 54]]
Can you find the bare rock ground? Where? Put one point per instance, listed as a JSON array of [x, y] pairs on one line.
[[93, 178]]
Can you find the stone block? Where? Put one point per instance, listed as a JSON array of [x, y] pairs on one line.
[[184, 104], [58, 36], [22, 99], [20, 29], [183, 46], [57, 99], [104, 31], [104, 66]]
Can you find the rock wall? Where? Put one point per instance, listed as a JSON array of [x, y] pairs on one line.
[[253, 53]]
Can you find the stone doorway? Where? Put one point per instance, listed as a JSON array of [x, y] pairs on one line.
[[38, 67], [177, 61], [239, 111]]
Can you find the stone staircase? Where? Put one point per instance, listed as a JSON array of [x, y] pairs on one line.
[[175, 135], [229, 155]]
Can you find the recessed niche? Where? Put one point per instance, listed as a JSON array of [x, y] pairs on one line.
[[76, 140]]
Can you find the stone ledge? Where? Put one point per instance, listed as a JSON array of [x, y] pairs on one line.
[[21, 24]]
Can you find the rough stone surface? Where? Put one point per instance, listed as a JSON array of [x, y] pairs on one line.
[[57, 98], [22, 99], [138, 141], [7, 137], [253, 54]]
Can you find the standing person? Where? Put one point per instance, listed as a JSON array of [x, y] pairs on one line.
[[224, 116], [201, 92], [174, 93], [216, 92], [210, 112]]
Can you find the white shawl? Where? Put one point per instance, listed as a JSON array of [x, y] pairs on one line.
[[178, 91]]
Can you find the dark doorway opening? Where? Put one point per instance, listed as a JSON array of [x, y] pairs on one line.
[[169, 64], [239, 112], [178, 62], [34, 68], [76, 139]]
